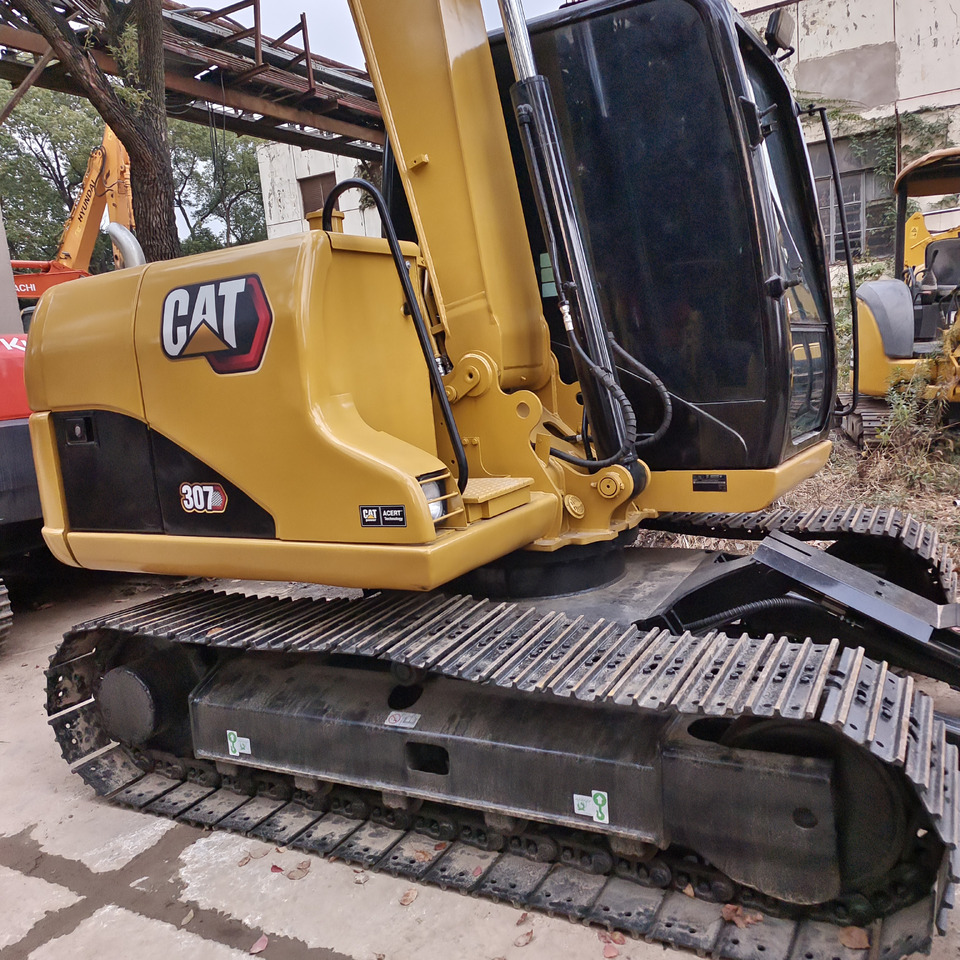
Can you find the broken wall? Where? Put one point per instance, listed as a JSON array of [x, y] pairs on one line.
[[878, 56]]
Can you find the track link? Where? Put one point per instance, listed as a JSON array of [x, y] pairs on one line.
[[6, 614], [506, 646], [885, 526], [868, 422]]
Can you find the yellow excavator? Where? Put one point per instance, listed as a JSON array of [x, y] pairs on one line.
[[907, 327], [105, 187], [601, 302]]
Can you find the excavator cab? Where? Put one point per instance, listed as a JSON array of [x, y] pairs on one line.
[[692, 181]]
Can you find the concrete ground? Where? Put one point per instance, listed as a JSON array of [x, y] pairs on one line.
[[81, 879]]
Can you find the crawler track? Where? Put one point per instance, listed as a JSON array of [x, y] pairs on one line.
[[878, 529], [868, 422], [503, 645]]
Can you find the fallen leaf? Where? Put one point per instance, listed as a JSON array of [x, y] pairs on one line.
[[604, 937], [408, 897], [379, 956], [280, 849], [610, 951], [358, 870], [214, 630], [734, 913], [275, 869], [522, 919], [257, 854], [618, 937], [361, 878], [260, 945], [187, 918], [422, 856], [332, 859], [689, 891], [442, 845], [523, 939], [299, 871], [855, 938], [478, 871], [243, 861]]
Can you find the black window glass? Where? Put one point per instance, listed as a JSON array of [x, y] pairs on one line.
[[657, 173], [801, 259]]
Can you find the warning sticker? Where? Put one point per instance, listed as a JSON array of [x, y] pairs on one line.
[[594, 806], [400, 719], [237, 745]]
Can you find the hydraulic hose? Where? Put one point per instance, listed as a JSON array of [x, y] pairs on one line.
[[657, 385], [745, 609]]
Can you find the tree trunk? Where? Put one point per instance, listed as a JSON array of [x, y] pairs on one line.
[[139, 122]]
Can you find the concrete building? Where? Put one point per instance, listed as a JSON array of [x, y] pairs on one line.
[[296, 181], [890, 71]]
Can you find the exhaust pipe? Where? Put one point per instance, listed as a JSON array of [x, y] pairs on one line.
[[126, 245]]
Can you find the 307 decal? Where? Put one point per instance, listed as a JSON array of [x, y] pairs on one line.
[[203, 497]]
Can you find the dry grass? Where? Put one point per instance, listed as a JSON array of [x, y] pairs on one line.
[[920, 479]]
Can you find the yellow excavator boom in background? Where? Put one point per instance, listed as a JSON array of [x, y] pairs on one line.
[[105, 187]]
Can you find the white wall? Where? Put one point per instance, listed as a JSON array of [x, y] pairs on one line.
[[282, 166], [878, 55]]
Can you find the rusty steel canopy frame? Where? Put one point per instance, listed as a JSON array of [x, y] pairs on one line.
[[218, 70]]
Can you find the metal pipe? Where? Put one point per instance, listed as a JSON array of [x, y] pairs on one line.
[[127, 244], [518, 40], [537, 119]]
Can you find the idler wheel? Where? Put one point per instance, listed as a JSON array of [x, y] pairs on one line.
[[872, 806], [146, 699]]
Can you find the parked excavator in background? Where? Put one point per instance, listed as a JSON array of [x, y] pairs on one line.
[[602, 297], [105, 186], [908, 325]]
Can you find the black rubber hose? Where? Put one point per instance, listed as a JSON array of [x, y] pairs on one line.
[[745, 609], [658, 385], [608, 380]]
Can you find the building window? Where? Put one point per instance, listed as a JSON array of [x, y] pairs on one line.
[[313, 190], [867, 201]]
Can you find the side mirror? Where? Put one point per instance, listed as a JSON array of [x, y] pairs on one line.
[[779, 33]]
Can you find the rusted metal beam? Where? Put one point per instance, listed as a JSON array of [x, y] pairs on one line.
[[226, 96], [25, 84]]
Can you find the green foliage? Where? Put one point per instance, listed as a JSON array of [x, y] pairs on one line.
[[216, 186], [372, 171], [44, 149], [202, 240]]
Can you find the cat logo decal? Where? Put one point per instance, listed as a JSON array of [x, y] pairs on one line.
[[226, 321]]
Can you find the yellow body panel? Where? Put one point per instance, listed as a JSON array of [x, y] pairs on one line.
[[50, 483], [399, 567], [434, 78], [878, 372], [85, 357], [747, 490]]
